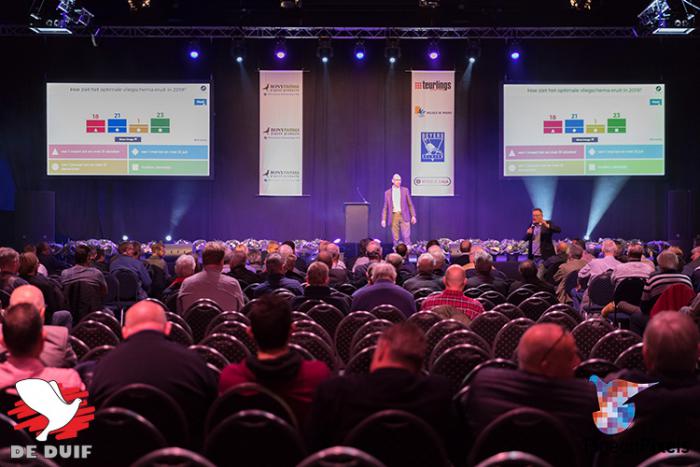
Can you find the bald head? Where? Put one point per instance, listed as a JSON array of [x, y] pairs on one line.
[[548, 350], [29, 294], [455, 278], [671, 342], [145, 316]]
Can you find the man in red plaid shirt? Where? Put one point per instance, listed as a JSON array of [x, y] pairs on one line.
[[455, 279]]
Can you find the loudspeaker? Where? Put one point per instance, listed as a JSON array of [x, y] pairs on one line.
[[679, 225], [35, 217]]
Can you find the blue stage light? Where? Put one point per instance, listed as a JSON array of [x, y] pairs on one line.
[[168, 238], [605, 190], [125, 237], [542, 191], [193, 50], [514, 51], [280, 50], [337, 241], [433, 51], [360, 50], [194, 54]]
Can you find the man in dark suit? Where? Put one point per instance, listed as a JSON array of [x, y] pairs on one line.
[[383, 290], [547, 356], [318, 289], [395, 382], [57, 351], [465, 247], [240, 272], [539, 237], [426, 278], [146, 356], [399, 210]]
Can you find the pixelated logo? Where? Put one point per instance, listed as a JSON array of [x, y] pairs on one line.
[[616, 413], [420, 111], [418, 85], [432, 146]]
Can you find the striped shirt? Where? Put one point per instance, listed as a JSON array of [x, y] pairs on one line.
[[660, 281], [454, 298]]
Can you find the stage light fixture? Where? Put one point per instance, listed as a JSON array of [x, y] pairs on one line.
[[125, 238], [66, 16], [324, 50], [668, 17], [392, 51], [337, 241], [238, 50], [193, 50], [168, 238], [290, 4], [473, 52], [280, 50], [605, 191], [360, 50], [428, 3], [433, 50], [514, 51]]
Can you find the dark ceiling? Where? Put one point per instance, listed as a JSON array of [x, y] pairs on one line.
[[457, 13]]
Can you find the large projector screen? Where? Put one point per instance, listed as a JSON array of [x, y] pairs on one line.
[[128, 129], [583, 130]]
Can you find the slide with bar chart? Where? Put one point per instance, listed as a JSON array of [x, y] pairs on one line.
[[583, 130], [128, 129]]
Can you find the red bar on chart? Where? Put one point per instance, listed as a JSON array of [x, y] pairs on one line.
[[553, 126], [95, 126]]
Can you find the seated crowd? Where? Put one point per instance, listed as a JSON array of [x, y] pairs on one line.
[[43, 300]]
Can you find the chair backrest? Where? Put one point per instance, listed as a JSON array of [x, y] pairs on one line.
[[346, 331], [210, 355], [360, 363], [204, 303], [233, 349], [112, 288], [247, 396], [79, 347], [595, 366], [560, 318], [158, 280], [82, 298], [175, 318], [514, 459], [94, 334], [485, 303], [369, 327], [611, 345], [570, 281], [568, 309], [424, 319], [588, 332], [249, 290], [180, 335], [96, 353], [519, 295], [629, 290], [347, 289], [509, 310], [486, 287], [137, 437], [422, 292], [316, 346], [369, 340], [248, 306], [227, 316], [473, 292], [508, 338], [305, 354], [382, 433], [457, 361], [440, 330], [341, 456], [528, 430], [156, 406], [494, 297], [488, 324], [327, 316], [632, 359], [237, 330], [546, 296], [306, 305], [463, 336], [600, 291], [534, 307], [128, 284], [663, 459], [493, 363], [8, 435], [199, 315], [388, 312], [308, 325], [254, 437], [107, 319], [175, 457]]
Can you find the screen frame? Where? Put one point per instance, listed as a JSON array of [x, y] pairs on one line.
[[501, 135], [212, 114]]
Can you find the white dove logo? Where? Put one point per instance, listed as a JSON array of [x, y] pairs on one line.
[[44, 397]]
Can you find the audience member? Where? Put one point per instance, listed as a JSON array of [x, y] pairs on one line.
[[689, 269], [483, 264], [83, 272], [156, 258], [334, 250], [29, 248], [595, 268], [552, 264], [547, 356], [361, 254], [211, 283], [373, 255], [337, 275], [586, 256], [574, 264], [185, 266], [276, 366], [528, 273], [455, 279], [126, 260], [678, 251], [402, 274], [22, 335], [395, 382], [29, 271], [408, 268], [381, 290], [291, 263], [99, 261], [146, 356], [634, 267], [450, 312], [53, 265], [463, 258], [275, 267], [440, 260], [239, 271], [318, 288], [56, 350], [9, 267], [426, 278]]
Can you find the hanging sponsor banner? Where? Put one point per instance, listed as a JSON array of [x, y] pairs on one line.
[[432, 133], [281, 117]]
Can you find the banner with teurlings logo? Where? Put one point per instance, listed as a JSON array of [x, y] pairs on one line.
[[432, 133], [281, 117]]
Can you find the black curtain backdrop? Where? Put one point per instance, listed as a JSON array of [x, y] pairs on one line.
[[356, 135]]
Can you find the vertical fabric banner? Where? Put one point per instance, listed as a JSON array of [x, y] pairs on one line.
[[281, 120], [432, 133]]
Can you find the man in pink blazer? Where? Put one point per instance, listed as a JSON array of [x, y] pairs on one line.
[[398, 206]]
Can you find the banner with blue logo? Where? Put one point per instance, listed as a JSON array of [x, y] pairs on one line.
[[432, 133], [281, 120]]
